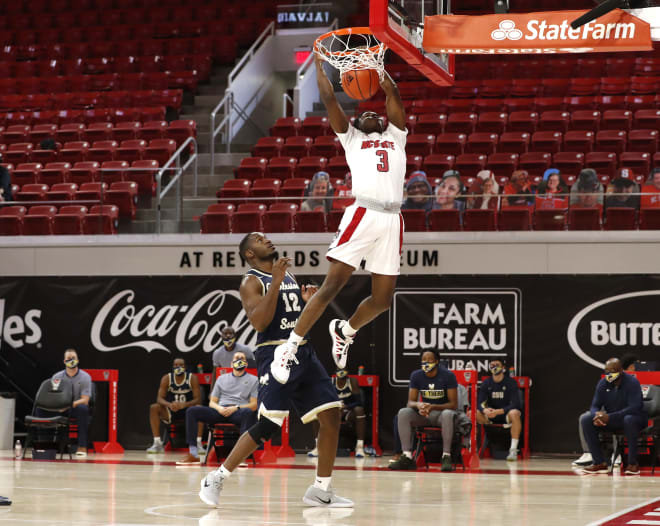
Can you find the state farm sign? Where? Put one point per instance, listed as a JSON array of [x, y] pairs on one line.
[[542, 32]]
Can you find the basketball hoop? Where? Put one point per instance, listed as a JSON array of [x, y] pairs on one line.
[[352, 48]]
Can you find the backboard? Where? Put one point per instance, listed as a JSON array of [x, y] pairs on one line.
[[399, 25]]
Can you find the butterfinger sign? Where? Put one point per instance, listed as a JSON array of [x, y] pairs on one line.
[[530, 33]]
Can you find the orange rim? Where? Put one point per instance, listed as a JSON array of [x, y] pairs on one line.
[[346, 31]]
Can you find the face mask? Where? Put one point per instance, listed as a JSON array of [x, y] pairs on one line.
[[428, 366], [72, 363], [239, 364], [496, 370], [611, 377], [228, 343], [179, 370], [341, 373]]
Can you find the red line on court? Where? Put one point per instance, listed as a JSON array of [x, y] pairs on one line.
[[635, 514]]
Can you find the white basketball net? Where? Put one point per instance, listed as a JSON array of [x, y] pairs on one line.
[[353, 51]]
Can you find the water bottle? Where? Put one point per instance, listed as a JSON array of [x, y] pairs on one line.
[[18, 450], [361, 370], [512, 371], [200, 368]]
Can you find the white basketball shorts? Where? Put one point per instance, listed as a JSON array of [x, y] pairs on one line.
[[369, 235]]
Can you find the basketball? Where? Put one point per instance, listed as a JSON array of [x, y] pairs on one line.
[[360, 84]]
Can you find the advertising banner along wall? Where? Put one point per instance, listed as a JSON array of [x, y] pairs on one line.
[[558, 330]]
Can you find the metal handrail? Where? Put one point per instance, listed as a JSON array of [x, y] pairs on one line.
[[160, 193], [227, 101]]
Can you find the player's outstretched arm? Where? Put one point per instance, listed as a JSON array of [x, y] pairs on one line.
[[336, 115], [396, 113]]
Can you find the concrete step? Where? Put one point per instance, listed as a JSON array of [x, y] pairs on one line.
[[208, 101], [213, 89], [166, 227]]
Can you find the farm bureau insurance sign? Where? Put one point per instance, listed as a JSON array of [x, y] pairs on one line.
[[467, 327]]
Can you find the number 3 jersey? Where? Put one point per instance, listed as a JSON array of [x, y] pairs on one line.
[[287, 311], [377, 162]]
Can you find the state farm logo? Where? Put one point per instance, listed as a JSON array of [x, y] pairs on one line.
[[616, 325], [123, 323], [542, 30], [507, 30]]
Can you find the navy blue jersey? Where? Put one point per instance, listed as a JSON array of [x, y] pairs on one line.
[[499, 395], [287, 312], [179, 392], [433, 390]]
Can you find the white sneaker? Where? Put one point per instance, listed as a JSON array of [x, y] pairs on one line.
[[340, 343], [317, 497], [313, 453], [285, 355], [359, 452], [156, 448], [584, 460], [512, 456], [210, 488], [617, 460]]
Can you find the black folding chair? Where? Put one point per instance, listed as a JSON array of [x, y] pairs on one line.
[[53, 396]]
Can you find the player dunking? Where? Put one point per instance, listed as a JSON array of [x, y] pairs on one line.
[[272, 301], [371, 229]]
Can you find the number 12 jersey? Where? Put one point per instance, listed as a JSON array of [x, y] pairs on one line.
[[377, 162]]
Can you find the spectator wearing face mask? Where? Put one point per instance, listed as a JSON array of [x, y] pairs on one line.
[[82, 392], [419, 194], [224, 356], [352, 409], [233, 400], [318, 191], [499, 403], [178, 391], [432, 401], [617, 406]]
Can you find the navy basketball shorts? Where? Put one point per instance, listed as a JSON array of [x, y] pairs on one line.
[[309, 389]]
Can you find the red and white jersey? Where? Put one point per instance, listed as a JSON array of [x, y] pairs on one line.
[[377, 162]]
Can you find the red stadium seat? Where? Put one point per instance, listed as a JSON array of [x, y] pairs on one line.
[[638, 162], [282, 167], [461, 122], [294, 189], [314, 126], [234, 191], [102, 220], [268, 147], [502, 164], [620, 218], [479, 220], [32, 192], [450, 143], [248, 221], [11, 220], [436, 164], [125, 131], [568, 163], [217, 219], [546, 141], [39, 132], [18, 153], [469, 164], [420, 144], [337, 166], [180, 130], [610, 141], [430, 124], [587, 120], [84, 172], [444, 220], [481, 142], [27, 173], [98, 131], [514, 142], [647, 119], [649, 219], [56, 172], [579, 141], [327, 146], [535, 162], [143, 173], [74, 151], [286, 127], [160, 150], [39, 220], [62, 192], [554, 121], [265, 189], [583, 218], [70, 220], [102, 151], [153, 130], [513, 219], [308, 166], [131, 150], [251, 168], [643, 141], [550, 219], [493, 122], [123, 194], [414, 220], [310, 221], [70, 132], [617, 120], [603, 162]]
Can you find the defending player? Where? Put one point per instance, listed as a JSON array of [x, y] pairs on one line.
[[371, 229], [272, 301]]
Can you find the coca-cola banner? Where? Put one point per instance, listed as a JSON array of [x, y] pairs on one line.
[[558, 330]]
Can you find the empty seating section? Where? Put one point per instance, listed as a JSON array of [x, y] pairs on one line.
[[599, 111]]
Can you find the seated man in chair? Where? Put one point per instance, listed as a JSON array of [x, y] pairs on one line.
[[82, 392], [233, 400], [438, 389], [177, 392], [617, 406], [499, 403]]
